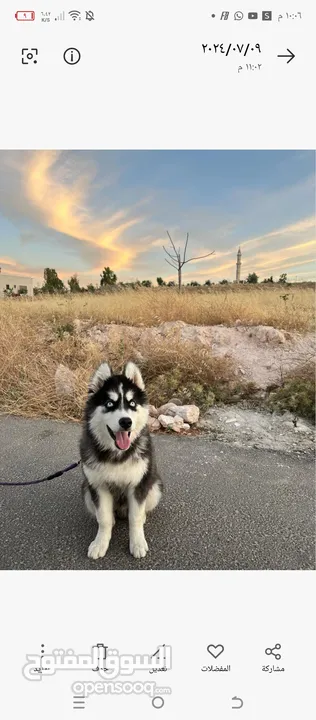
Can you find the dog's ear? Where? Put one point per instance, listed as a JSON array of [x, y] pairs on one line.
[[132, 372], [99, 377]]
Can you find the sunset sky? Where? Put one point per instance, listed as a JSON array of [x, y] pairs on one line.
[[79, 211]]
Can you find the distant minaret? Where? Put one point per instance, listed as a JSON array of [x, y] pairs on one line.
[[238, 266]]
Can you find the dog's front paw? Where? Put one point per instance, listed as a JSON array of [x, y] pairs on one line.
[[138, 546], [98, 547]]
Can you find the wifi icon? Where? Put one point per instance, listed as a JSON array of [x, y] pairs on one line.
[[75, 14]]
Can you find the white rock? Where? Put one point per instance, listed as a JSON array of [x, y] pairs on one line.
[[185, 426], [168, 409], [65, 380], [230, 420], [177, 427], [153, 424], [265, 333], [178, 419], [189, 413], [166, 420], [237, 322], [153, 412], [173, 423], [171, 411]]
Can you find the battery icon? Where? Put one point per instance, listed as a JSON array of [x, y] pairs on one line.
[[25, 15]]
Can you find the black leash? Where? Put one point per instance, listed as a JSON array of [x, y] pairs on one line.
[[49, 477]]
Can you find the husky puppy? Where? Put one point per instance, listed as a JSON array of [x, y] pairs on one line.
[[118, 463]]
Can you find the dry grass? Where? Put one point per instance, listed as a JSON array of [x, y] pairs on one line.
[[33, 343], [287, 308], [30, 355]]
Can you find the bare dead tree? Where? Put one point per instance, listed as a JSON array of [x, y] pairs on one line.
[[177, 261]]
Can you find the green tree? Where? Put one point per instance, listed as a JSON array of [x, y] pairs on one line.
[[283, 279], [223, 282], [268, 280], [74, 284], [194, 283], [108, 277], [91, 288], [208, 283], [160, 281], [53, 283], [171, 283], [252, 278], [146, 283]]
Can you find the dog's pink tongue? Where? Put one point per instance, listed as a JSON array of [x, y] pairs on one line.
[[123, 440]]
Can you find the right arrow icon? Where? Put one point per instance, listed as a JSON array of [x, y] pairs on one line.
[[290, 56]]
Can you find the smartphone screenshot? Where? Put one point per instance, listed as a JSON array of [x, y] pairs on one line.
[[157, 360]]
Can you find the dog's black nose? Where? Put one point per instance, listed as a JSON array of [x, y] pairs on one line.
[[125, 423]]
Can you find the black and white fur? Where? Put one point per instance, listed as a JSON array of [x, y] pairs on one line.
[[118, 481]]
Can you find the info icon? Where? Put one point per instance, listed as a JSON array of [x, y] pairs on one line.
[[72, 56], [253, 16]]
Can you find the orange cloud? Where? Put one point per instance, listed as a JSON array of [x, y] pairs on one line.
[[62, 203], [301, 226], [274, 260]]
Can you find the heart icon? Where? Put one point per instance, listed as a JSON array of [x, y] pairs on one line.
[[215, 650]]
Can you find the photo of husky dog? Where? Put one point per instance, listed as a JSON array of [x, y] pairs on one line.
[[118, 462]]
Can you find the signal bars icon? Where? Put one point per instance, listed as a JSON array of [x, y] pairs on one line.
[[61, 16]]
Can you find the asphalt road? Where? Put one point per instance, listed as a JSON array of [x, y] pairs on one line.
[[224, 508]]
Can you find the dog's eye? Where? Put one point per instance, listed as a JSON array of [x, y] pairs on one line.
[[133, 403], [109, 404]]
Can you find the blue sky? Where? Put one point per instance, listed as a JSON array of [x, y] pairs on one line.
[[79, 211]]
